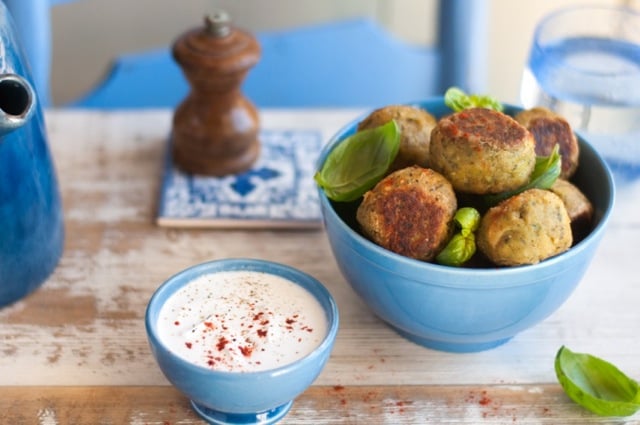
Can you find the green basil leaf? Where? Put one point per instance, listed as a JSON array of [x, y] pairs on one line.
[[547, 169], [596, 384], [458, 100], [545, 173], [468, 219], [358, 162], [462, 245], [487, 102]]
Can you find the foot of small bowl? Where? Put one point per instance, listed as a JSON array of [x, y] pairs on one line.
[[453, 347], [267, 417]]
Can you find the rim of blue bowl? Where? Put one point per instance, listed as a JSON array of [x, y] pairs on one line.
[[437, 107], [174, 283]]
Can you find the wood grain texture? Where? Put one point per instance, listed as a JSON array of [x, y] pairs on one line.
[[77, 346], [160, 405]]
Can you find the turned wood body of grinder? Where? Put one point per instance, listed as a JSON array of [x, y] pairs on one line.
[[215, 128]]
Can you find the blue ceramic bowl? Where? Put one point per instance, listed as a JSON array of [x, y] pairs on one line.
[[241, 397], [463, 309]]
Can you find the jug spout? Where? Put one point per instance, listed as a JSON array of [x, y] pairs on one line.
[[17, 102]]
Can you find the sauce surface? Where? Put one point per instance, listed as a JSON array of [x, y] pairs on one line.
[[242, 321]]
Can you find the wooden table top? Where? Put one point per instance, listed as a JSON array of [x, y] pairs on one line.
[[75, 351]]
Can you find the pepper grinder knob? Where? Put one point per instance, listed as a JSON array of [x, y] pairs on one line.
[[215, 128], [218, 25]]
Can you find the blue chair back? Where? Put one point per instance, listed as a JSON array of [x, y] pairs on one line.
[[350, 63]]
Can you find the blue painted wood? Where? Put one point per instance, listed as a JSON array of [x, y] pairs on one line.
[[353, 63], [302, 67], [349, 64], [31, 225], [463, 40]]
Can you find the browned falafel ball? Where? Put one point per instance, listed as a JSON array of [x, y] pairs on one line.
[[578, 206], [415, 132], [525, 229], [409, 212], [482, 151], [549, 129]]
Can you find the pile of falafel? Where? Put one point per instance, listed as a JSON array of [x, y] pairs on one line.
[[460, 159]]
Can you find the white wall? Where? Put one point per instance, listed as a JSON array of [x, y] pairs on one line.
[[89, 33]]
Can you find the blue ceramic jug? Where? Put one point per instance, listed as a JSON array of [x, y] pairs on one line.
[[31, 226]]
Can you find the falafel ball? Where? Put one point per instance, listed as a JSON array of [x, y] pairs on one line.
[[409, 212], [482, 151], [578, 206], [525, 229], [549, 129], [415, 132]]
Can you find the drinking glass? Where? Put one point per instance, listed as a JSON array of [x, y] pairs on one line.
[[584, 64]]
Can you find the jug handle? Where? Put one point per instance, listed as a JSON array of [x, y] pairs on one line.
[[17, 102]]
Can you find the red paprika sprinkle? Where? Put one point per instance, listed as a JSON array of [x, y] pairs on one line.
[[222, 342], [246, 350], [484, 400]]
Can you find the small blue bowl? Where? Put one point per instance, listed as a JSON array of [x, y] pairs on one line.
[[262, 397], [463, 309]]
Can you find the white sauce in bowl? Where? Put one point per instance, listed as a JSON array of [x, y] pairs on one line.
[[242, 321]]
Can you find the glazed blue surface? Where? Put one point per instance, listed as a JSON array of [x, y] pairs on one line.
[[465, 309], [31, 236], [241, 397]]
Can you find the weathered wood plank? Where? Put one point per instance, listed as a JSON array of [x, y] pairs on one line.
[[372, 405]]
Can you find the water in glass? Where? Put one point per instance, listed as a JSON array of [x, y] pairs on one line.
[[594, 82]]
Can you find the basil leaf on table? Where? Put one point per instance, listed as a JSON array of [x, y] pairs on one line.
[[457, 100], [462, 245], [358, 162], [596, 384]]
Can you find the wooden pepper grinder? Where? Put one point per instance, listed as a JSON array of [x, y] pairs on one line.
[[215, 128]]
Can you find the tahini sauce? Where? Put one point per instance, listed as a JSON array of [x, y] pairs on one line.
[[242, 321]]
